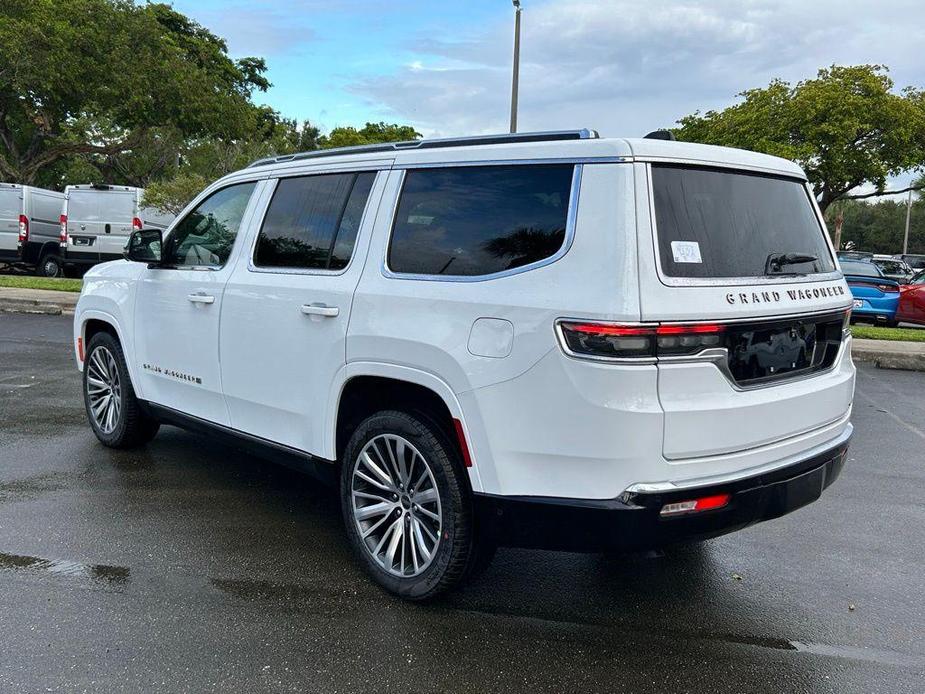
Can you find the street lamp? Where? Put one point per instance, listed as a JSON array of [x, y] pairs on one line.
[[515, 77]]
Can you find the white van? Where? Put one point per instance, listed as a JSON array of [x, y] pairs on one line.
[[29, 228], [535, 340], [97, 221]]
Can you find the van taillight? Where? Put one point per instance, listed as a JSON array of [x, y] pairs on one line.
[[612, 341], [62, 235], [136, 224], [23, 228]]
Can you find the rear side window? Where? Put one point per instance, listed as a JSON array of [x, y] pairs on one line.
[[479, 220], [312, 221], [714, 223]]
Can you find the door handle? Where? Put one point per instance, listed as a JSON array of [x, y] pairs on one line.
[[201, 298], [320, 310]]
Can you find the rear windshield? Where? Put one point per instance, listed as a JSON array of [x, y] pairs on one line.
[[93, 206], [714, 223], [860, 267], [10, 203]]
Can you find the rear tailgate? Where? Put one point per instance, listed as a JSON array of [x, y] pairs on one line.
[[10, 209], [775, 366]]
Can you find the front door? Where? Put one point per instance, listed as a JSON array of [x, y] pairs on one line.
[[286, 306], [178, 307]]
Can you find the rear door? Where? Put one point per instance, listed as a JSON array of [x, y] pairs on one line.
[[84, 225], [10, 208], [737, 268], [117, 210], [287, 304]]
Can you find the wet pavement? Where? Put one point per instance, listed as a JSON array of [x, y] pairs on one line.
[[190, 566]]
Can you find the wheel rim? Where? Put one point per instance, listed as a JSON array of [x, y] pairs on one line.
[[396, 505], [104, 390]]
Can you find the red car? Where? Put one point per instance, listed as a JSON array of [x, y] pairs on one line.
[[912, 300]]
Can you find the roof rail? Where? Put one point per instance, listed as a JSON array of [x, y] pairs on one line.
[[435, 143]]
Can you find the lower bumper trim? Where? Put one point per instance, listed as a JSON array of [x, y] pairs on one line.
[[633, 521]]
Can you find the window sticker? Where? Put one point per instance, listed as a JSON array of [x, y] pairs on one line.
[[686, 252]]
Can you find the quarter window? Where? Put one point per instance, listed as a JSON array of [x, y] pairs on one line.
[[205, 237], [312, 221], [479, 220]]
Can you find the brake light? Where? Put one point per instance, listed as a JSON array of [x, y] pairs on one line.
[[62, 235], [704, 503], [136, 224], [887, 288], [634, 341], [23, 228]]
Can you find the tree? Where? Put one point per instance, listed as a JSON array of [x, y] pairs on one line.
[[879, 227], [103, 77], [371, 133], [846, 128]]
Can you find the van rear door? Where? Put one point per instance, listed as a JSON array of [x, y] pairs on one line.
[[10, 209], [117, 210], [738, 274], [84, 225]]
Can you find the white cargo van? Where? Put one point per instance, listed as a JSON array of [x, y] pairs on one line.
[[29, 228], [97, 220]]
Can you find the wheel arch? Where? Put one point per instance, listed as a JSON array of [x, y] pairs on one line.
[[366, 387], [93, 321]]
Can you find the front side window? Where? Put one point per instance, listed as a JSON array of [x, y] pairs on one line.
[[716, 223], [205, 237], [479, 220], [312, 221]]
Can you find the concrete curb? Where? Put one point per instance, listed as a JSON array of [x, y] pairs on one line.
[[39, 301], [889, 354]]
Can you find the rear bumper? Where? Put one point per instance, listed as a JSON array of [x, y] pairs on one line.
[[633, 521]]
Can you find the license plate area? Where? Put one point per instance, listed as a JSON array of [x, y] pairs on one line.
[[763, 352], [82, 240]]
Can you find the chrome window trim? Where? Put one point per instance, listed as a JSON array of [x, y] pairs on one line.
[[251, 267], [669, 281], [570, 222], [511, 162]]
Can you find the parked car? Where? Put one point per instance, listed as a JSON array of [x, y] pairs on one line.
[[876, 298], [912, 300], [893, 269], [534, 340], [854, 255], [916, 262], [97, 220], [29, 228]]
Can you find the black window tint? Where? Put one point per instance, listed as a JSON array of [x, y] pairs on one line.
[[206, 235], [479, 220], [718, 223], [312, 221]]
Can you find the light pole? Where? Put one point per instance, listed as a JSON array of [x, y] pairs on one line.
[[515, 77], [908, 217]]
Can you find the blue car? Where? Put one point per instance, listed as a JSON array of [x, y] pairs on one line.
[[876, 298]]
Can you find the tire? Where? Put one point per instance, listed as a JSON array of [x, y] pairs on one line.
[[430, 555], [72, 272], [118, 422], [48, 266]]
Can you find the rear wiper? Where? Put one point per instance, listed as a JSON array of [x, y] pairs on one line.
[[776, 262]]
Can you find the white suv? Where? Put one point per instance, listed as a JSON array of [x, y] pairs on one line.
[[543, 340]]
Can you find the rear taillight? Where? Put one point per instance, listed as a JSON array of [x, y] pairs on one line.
[[704, 503], [136, 224], [887, 288], [638, 341], [23, 228], [62, 235]]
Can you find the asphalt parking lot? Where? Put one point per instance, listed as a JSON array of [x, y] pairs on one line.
[[189, 566]]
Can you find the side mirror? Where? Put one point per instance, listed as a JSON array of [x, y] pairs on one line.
[[144, 246]]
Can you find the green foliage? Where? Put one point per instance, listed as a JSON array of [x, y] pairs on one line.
[[867, 332], [171, 195], [846, 127], [879, 227], [27, 282], [106, 77], [370, 134]]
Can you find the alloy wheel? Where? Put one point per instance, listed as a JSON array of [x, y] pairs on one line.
[[104, 390], [396, 505]]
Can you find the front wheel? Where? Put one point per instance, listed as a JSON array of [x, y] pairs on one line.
[[407, 506], [109, 398]]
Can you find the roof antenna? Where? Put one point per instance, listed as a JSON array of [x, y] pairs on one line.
[[660, 135]]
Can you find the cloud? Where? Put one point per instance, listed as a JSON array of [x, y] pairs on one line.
[[626, 67]]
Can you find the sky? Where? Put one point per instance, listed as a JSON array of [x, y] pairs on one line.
[[622, 67]]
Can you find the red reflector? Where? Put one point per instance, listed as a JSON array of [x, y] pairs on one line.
[[80, 348], [618, 330], [689, 329], [704, 503], [463, 446]]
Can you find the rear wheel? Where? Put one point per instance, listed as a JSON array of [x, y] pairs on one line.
[[48, 266], [407, 505], [112, 408]]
